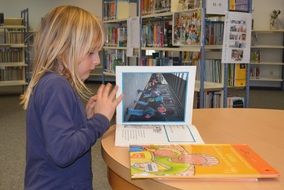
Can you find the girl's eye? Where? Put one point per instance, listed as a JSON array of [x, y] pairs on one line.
[[94, 52]]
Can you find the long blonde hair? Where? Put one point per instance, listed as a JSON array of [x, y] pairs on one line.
[[66, 35]]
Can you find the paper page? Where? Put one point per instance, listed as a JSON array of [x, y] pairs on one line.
[[237, 38], [133, 35], [218, 7], [181, 133], [159, 134]]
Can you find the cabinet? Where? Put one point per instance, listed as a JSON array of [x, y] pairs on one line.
[[12, 53], [267, 58]]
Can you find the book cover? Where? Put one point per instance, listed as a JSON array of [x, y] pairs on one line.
[[126, 9], [109, 9], [147, 7], [223, 161], [162, 6], [187, 28], [235, 102], [239, 5], [178, 5], [122, 9], [240, 75]]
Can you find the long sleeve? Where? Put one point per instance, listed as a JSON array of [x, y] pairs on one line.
[[66, 131], [59, 137]]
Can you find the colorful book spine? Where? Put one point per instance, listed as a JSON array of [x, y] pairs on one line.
[[157, 34], [109, 8], [116, 35], [214, 32]]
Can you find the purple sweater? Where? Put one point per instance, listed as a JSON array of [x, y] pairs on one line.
[[59, 137]]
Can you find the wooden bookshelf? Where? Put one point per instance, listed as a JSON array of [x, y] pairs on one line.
[[267, 64], [114, 47], [13, 83], [174, 49], [12, 53]]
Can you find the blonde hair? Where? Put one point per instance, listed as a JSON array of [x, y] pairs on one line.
[[66, 35]]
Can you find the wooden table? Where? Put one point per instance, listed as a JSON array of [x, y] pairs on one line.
[[262, 129]]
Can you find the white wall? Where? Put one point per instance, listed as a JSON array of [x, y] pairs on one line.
[[38, 8], [262, 10]]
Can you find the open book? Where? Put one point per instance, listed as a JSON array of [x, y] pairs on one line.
[[157, 105], [220, 161]]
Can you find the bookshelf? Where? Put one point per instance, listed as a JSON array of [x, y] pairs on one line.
[[267, 69], [29, 40], [115, 15], [185, 47], [236, 51], [12, 53], [165, 42], [267, 56]]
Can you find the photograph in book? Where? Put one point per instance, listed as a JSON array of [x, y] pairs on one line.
[[155, 95], [210, 161]]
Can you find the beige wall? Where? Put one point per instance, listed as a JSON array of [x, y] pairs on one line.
[[262, 10], [38, 8]]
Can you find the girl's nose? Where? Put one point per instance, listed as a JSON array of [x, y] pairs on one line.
[[96, 61]]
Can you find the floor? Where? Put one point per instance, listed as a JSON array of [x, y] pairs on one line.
[[12, 138]]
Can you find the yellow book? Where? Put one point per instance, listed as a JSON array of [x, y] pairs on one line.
[[211, 161], [240, 75], [126, 9], [232, 5]]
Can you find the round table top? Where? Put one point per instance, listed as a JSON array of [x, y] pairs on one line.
[[261, 129]]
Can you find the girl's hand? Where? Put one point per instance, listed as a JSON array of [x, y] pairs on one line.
[[90, 106], [106, 101]]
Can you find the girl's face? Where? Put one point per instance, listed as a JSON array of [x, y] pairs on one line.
[[88, 64]]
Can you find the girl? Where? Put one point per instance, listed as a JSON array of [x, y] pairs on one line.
[[60, 131]]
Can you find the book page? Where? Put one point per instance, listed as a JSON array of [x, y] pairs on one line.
[[181, 133], [158, 134]]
